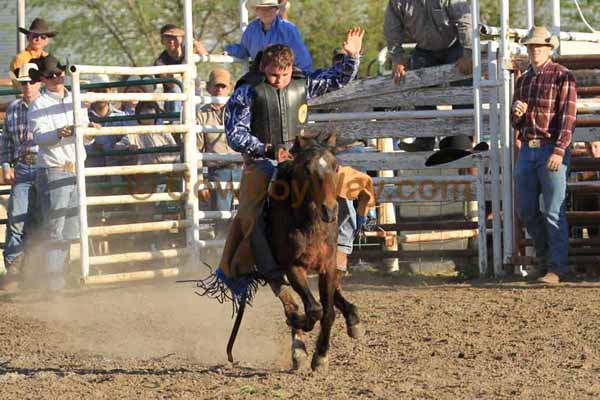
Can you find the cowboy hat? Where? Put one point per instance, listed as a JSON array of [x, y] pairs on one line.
[[47, 66], [172, 30], [540, 35], [453, 148], [22, 74], [266, 3], [39, 26]]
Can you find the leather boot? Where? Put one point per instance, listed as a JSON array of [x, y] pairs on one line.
[[10, 281]]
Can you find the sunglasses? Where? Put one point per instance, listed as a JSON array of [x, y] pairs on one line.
[[38, 36], [170, 37], [54, 75]]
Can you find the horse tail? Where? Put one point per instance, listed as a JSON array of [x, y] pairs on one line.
[[236, 328]]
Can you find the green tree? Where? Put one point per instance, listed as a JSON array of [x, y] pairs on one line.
[[126, 32]]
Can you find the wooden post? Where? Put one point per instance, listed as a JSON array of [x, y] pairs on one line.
[[386, 213]]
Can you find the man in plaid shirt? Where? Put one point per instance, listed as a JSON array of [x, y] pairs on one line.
[[544, 112], [18, 155]]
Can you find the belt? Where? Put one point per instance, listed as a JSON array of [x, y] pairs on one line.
[[28, 158], [537, 143]]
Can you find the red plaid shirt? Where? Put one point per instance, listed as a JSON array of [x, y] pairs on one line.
[[551, 99]]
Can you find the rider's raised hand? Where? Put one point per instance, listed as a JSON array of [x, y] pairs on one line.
[[353, 43]]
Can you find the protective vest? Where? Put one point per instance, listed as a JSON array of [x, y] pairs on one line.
[[278, 116]]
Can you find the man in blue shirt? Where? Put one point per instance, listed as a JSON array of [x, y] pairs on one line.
[[270, 28], [263, 116]]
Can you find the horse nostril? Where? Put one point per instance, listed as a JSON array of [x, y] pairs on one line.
[[328, 214]]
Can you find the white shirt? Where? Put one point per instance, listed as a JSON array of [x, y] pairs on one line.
[[46, 115]]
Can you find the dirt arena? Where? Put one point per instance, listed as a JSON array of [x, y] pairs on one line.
[[426, 338]]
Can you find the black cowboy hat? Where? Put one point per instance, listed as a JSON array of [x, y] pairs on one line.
[[453, 148], [47, 66], [39, 26]]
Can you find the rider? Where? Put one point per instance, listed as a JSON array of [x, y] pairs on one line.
[[264, 115]]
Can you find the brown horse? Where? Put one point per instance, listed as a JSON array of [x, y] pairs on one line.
[[303, 235]]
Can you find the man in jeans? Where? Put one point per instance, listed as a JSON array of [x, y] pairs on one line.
[[219, 85], [51, 121], [18, 155], [442, 31], [544, 112]]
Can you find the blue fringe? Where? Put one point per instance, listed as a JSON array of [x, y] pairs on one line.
[[239, 287]]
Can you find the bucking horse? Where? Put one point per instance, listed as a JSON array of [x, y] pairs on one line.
[[302, 228]]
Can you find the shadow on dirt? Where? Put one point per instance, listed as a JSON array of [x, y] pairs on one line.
[[223, 370]]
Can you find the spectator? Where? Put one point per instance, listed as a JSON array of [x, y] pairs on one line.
[[274, 93], [442, 32], [18, 150], [172, 38], [148, 141], [268, 29], [51, 121], [544, 111], [104, 109], [128, 107], [219, 84], [38, 37]]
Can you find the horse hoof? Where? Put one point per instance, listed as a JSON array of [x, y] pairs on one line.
[[299, 359], [320, 364], [356, 331]]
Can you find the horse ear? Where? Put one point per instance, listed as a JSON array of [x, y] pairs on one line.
[[329, 139]]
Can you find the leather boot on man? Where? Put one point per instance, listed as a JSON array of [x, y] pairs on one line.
[[10, 281]]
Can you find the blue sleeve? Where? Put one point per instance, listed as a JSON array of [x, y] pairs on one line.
[[237, 50], [322, 81], [301, 53], [237, 122]]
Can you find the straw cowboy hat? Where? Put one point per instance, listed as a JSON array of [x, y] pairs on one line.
[[453, 148], [540, 35], [39, 26], [22, 74], [266, 3]]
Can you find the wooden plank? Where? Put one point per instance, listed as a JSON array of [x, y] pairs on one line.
[[354, 130], [427, 191], [411, 98], [437, 225], [405, 255], [586, 134], [384, 85], [401, 160]]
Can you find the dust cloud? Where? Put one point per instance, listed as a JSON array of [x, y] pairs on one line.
[[155, 321]]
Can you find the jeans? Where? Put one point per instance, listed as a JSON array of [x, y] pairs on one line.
[[545, 222], [222, 199], [59, 207], [422, 58], [21, 211]]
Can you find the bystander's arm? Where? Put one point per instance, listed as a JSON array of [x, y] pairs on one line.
[[567, 113]]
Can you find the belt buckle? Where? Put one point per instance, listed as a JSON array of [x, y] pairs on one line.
[[534, 144]]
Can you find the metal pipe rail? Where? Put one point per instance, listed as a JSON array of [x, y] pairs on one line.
[[136, 169], [521, 33], [138, 71], [218, 58], [135, 198], [92, 97], [134, 130], [137, 228], [211, 99]]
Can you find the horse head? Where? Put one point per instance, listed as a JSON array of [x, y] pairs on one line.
[[315, 174]]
